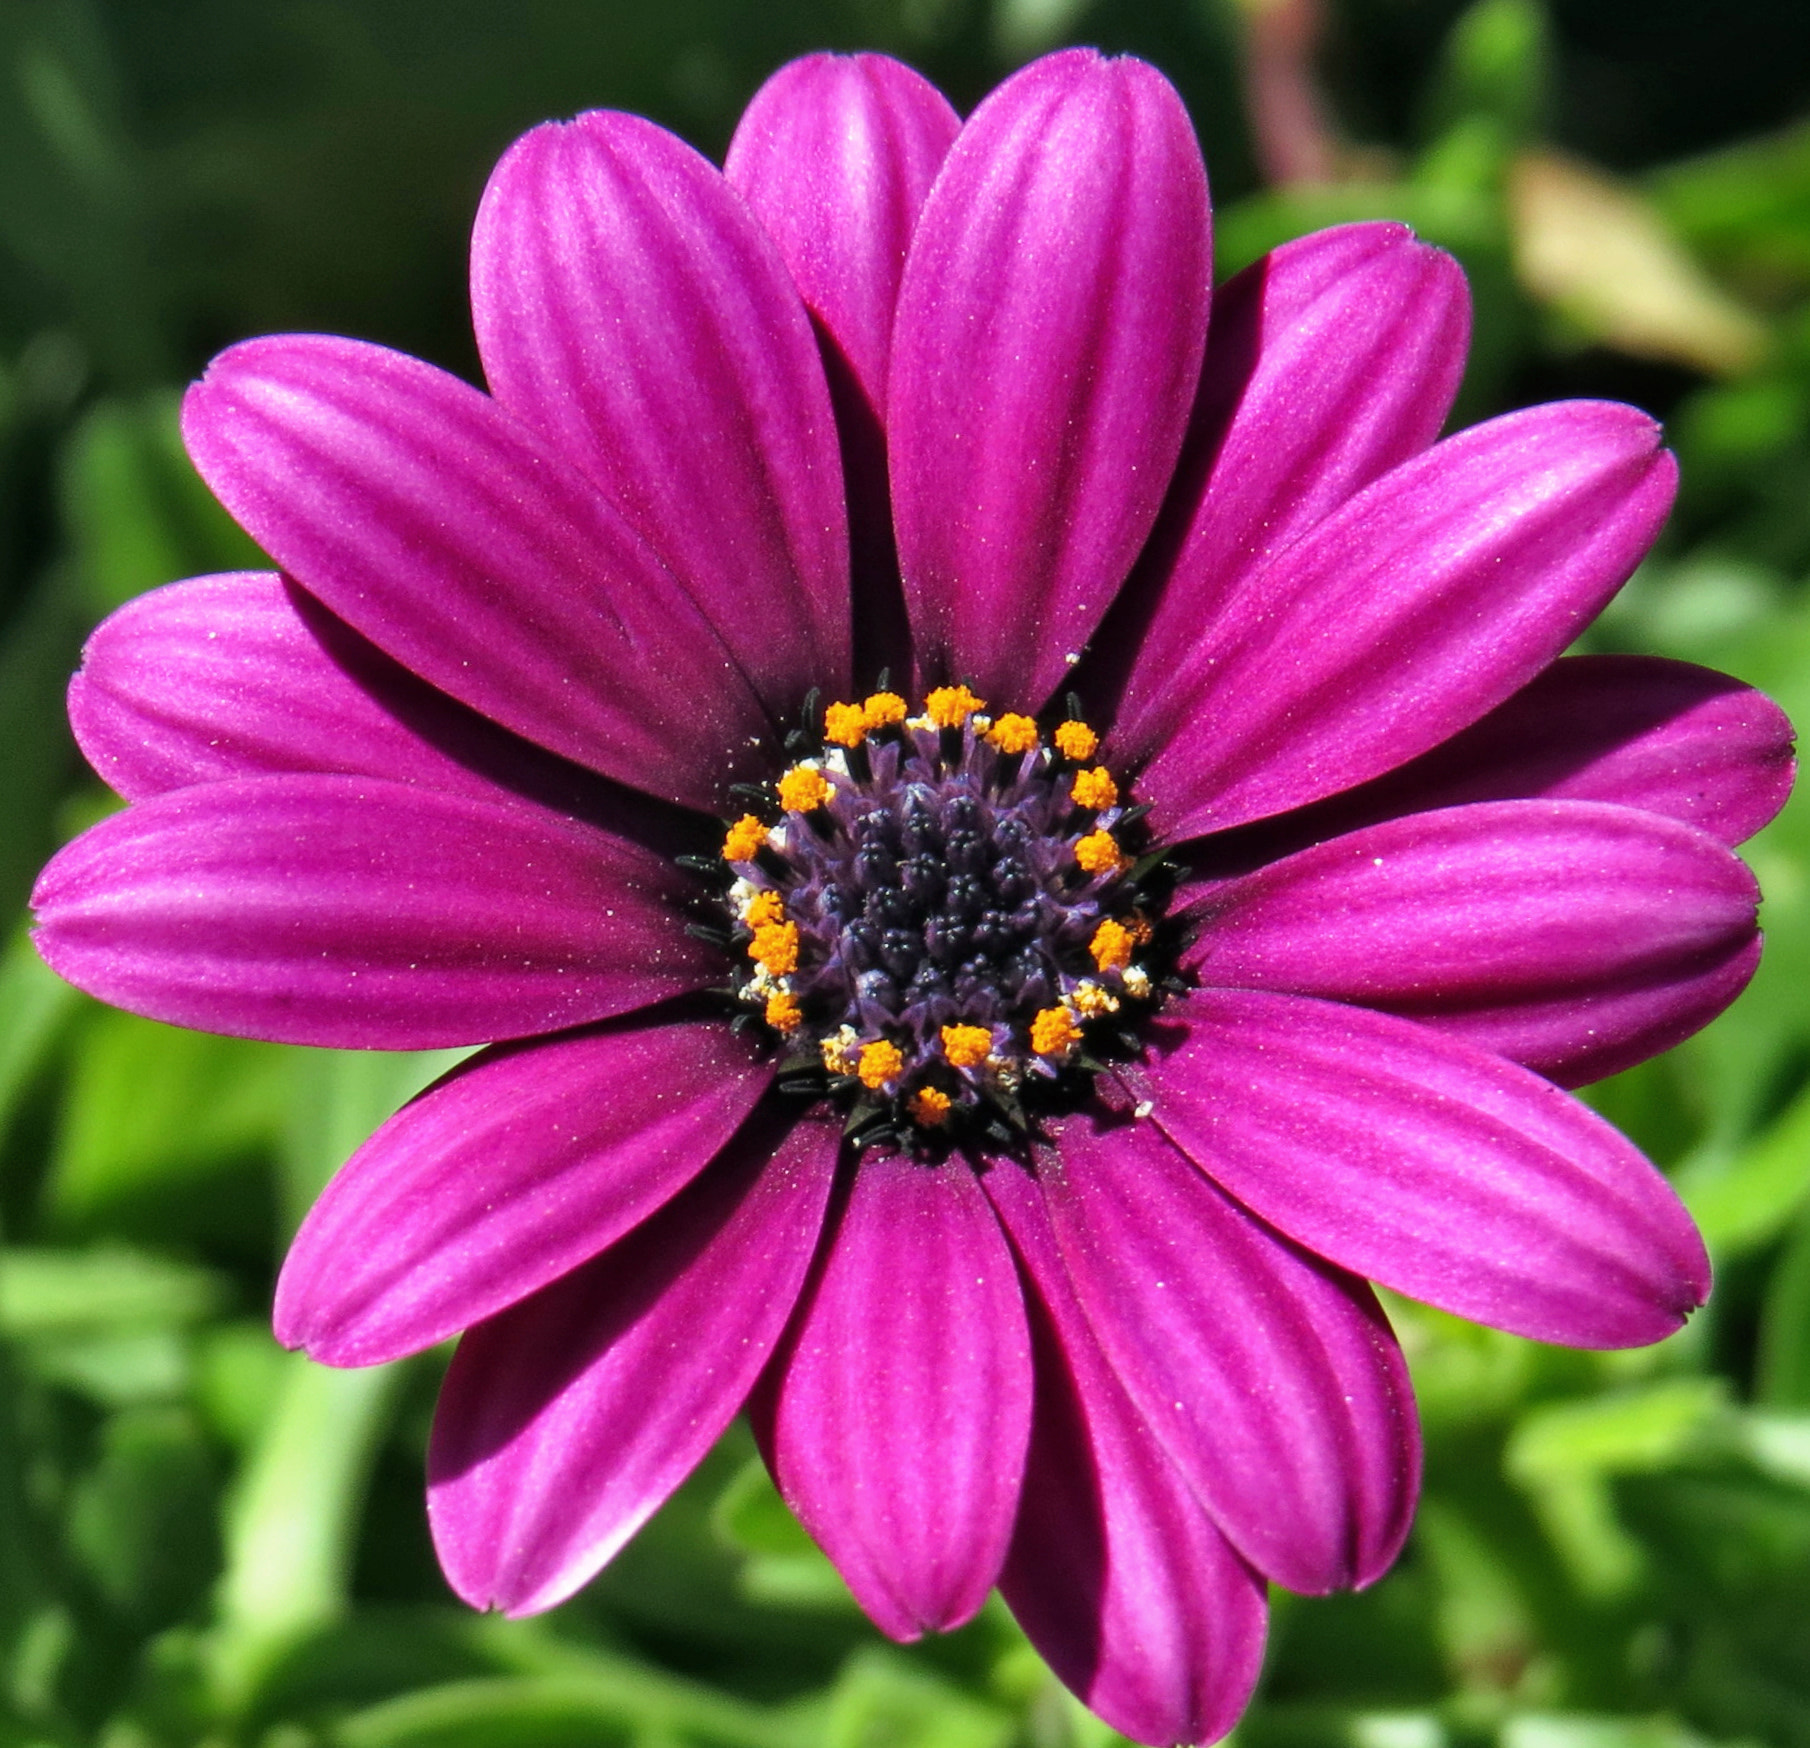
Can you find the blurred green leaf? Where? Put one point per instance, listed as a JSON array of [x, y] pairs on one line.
[[143, 1520], [166, 1131], [884, 1701], [63, 1292]]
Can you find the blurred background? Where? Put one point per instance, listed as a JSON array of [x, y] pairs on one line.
[[204, 1540]]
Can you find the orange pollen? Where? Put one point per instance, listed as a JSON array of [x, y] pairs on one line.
[[1013, 734], [845, 724], [880, 1062], [1075, 740], [1141, 931], [882, 710], [951, 706], [1098, 853], [764, 907], [783, 1012], [930, 1107], [745, 839], [775, 948], [1054, 1032], [1111, 946], [803, 788], [966, 1046], [1094, 788]]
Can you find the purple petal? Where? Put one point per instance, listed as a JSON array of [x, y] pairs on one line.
[[368, 915], [1271, 1379], [835, 155], [245, 675], [1120, 1580], [631, 311], [1048, 344], [902, 1400], [1638, 731], [1574, 937], [1431, 1166], [516, 1168], [429, 520], [1410, 613], [565, 1421], [1332, 360]]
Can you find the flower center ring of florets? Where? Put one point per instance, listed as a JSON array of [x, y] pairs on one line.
[[944, 916]]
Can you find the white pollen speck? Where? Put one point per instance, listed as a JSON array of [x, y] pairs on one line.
[[1376, 861], [1143, 1109], [1073, 656]]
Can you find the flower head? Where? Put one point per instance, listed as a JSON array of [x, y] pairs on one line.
[[1007, 1097]]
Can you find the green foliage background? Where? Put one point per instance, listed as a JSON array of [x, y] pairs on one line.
[[204, 1540]]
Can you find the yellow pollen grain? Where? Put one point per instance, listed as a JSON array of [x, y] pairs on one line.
[[775, 948], [1054, 1032], [1092, 1001], [1013, 734], [966, 1046], [930, 1106], [839, 1051], [880, 1062], [1111, 946], [745, 839], [951, 706], [882, 710], [803, 788], [783, 1013], [764, 907], [845, 724], [1094, 788], [1141, 931], [1098, 853], [1075, 740]]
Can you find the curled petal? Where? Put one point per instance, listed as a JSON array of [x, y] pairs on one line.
[[1048, 341], [246, 675], [428, 519], [566, 1420], [1574, 937], [1271, 1379], [1431, 1166], [368, 915], [516, 1168], [1333, 359], [902, 1399], [835, 155], [631, 311], [1411, 612], [1134, 1598]]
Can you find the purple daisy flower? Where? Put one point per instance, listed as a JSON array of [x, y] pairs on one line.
[[1008, 1098]]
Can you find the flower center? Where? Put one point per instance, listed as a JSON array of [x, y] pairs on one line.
[[946, 916]]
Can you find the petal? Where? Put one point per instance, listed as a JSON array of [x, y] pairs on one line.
[[1115, 1573], [352, 912], [1431, 1166], [1639, 731], [835, 155], [246, 675], [516, 1168], [1271, 1379], [631, 311], [1410, 613], [1047, 347], [565, 1421], [1332, 360], [424, 516], [1574, 937], [902, 1399]]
